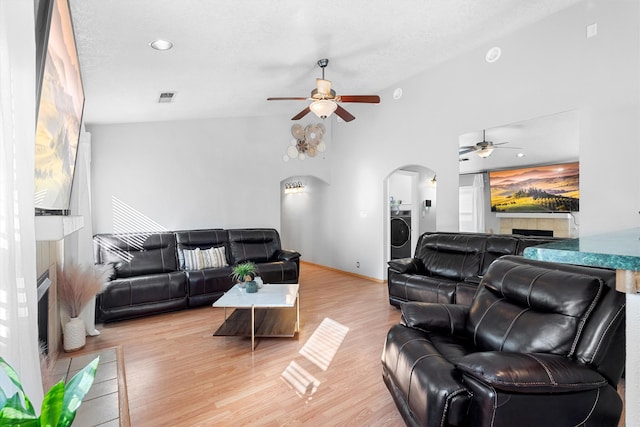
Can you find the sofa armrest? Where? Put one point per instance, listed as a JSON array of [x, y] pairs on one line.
[[287, 255], [474, 280], [530, 372], [406, 265], [430, 317]]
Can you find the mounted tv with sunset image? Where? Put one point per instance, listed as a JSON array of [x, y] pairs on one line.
[[60, 107], [536, 189]]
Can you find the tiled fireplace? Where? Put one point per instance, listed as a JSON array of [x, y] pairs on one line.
[[50, 234], [560, 224]]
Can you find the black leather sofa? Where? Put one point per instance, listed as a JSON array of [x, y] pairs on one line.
[[150, 274], [447, 267], [542, 344]]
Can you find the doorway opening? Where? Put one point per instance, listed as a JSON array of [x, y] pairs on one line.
[[410, 208]]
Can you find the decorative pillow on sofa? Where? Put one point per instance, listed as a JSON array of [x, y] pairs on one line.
[[197, 259], [192, 259], [214, 257]]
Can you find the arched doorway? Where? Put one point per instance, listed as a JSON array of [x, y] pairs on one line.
[[410, 208], [303, 213]]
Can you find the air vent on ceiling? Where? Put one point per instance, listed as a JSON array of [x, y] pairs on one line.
[[166, 97]]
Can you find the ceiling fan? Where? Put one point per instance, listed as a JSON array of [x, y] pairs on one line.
[[483, 148], [325, 101]]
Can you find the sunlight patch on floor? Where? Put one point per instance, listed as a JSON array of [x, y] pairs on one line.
[[300, 379], [320, 349], [322, 346]]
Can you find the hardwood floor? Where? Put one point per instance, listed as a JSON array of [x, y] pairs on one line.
[[178, 374]]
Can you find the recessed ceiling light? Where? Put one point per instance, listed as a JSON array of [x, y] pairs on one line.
[[520, 155], [397, 94], [161, 44], [493, 54]]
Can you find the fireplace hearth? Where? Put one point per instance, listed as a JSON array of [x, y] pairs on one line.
[[532, 232], [545, 225]]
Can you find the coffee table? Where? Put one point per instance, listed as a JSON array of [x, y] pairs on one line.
[[273, 311]]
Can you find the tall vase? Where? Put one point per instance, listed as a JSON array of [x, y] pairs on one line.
[[75, 336]]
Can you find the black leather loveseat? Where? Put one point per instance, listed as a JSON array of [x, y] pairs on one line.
[[154, 272], [542, 344], [447, 267]]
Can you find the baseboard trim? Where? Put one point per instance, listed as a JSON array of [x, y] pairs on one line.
[[349, 273]]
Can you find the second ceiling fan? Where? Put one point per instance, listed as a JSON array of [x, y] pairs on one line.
[[483, 148], [325, 101]]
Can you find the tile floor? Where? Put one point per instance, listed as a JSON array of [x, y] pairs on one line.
[[100, 405]]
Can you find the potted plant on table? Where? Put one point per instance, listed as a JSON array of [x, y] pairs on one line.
[[76, 287], [244, 273]]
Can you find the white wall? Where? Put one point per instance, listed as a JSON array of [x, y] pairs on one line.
[[401, 188], [302, 226], [544, 69], [189, 174], [193, 174]]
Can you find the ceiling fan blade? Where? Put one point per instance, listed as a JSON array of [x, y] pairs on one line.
[[287, 99], [371, 99], [344, 114], [513, 148], [301, 114], [467, 149]]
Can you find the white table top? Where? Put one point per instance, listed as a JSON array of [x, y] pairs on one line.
[[270, 295]]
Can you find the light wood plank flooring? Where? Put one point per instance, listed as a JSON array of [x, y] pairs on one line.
[[178, 374]]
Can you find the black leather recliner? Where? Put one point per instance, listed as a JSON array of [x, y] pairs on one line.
[[448, 266], [542, 344]]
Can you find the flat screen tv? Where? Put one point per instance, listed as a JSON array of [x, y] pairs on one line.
[[548, 188], [60, 107]]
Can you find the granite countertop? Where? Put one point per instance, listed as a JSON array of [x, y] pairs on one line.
[[618, 250]]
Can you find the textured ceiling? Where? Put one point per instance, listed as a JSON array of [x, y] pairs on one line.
[[230, 55]]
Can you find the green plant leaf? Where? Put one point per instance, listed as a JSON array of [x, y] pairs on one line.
[[240, 271], [52, 405], [75, 391], [13, 376], [3, 399], [16, 415]]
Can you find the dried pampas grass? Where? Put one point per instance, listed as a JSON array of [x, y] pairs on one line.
[[47, 368], [78, 285]]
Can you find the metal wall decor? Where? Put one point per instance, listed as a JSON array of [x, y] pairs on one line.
[[307, 141]]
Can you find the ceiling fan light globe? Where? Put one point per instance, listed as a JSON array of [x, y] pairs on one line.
[[323, 108], [485, 152]]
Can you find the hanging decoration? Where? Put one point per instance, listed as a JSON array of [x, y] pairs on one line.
[[307, 141]]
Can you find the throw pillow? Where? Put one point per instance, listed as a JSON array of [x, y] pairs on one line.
[[192, 259], [197, 259], [214, 257]]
